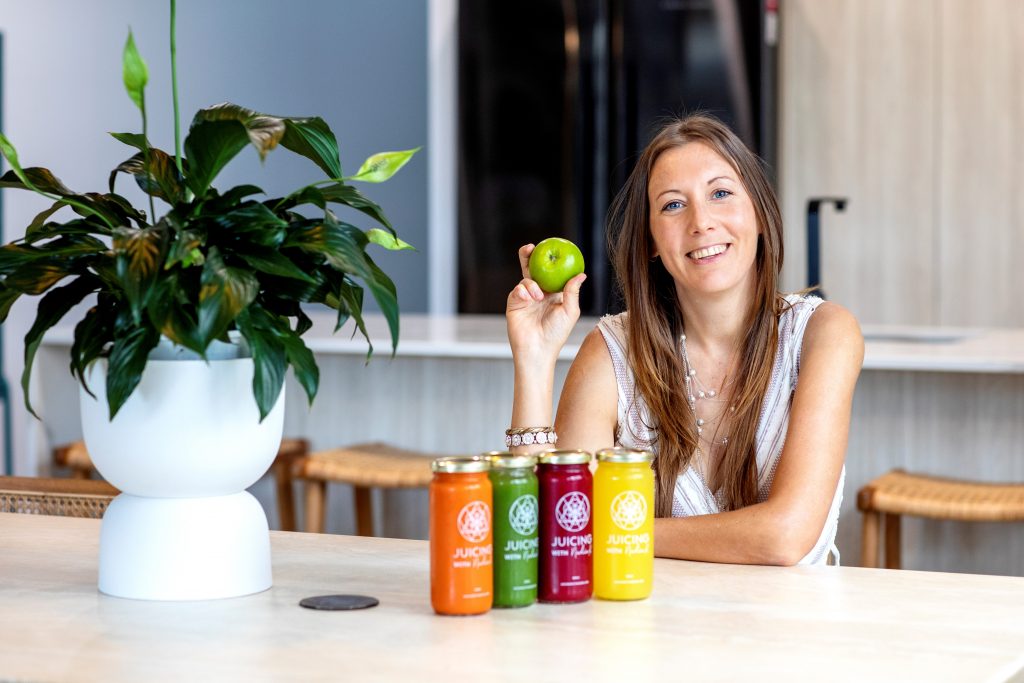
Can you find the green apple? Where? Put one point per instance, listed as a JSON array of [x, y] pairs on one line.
[[554, 262]]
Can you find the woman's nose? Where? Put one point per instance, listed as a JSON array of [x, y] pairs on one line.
[[700, 218]]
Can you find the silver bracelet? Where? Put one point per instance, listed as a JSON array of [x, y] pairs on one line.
[[527, 436]]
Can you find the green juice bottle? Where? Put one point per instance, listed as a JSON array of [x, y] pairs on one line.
[[516, 512]]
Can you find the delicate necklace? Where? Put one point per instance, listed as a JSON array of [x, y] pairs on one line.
[[695, 394]]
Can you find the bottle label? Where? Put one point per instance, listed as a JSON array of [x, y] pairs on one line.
[[573, 511], [472, 556], [629, 510], [522, 514], [474, 521], [520, 549]]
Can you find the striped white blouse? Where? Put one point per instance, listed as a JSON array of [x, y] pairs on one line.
[[692, 495]]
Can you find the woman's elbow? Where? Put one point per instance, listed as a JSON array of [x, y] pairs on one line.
[[790, 540]]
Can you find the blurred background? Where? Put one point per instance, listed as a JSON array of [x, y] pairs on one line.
[[531, 115]]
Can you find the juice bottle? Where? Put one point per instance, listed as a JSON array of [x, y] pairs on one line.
[[623, 524], [566, 528], [461, 569], [516, 511]]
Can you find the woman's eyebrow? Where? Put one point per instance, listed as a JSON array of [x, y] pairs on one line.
[[721, 177]]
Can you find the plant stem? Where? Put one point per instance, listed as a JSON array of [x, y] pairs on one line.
[[174, 90], [145, 160]]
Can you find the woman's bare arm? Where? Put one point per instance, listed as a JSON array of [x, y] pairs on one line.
[[784, 528]]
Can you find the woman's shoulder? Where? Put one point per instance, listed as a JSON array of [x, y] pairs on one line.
[[809, 324], [613, 327]]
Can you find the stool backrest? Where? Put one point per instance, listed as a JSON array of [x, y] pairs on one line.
[[62, 497]]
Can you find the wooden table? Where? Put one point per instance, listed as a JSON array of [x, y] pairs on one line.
[[703, 622]]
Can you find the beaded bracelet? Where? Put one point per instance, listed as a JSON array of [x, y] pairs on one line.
[[527, 436]]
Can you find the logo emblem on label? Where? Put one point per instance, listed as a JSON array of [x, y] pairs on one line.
[[474, 521], [573, 511], [629, 510], [523, 515]]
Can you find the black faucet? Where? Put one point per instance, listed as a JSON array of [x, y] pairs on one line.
[[814, 240]]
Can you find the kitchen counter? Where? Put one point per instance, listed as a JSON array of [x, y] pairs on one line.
[[887, 347]]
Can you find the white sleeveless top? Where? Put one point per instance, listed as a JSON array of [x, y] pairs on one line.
[[692, 495]]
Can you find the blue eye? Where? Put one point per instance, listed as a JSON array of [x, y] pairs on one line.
[[672, 206], [720, 194]]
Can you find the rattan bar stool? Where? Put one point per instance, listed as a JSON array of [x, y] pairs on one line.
[[75, 457], [364, 467], [61, 497], [902, 493]]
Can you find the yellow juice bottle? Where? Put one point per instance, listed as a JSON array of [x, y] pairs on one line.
[[623, 525]]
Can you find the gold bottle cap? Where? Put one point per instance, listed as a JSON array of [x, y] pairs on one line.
[[624, 455], [460, 465], [503, 460], [564, 458]]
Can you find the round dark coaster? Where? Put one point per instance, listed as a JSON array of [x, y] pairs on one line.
[[336, 602]]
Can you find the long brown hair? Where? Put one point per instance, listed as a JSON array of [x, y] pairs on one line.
[[655, 321]]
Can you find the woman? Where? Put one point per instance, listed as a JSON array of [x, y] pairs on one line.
[[743, 395]]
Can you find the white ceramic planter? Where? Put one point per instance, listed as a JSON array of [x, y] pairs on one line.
[[183, 449]]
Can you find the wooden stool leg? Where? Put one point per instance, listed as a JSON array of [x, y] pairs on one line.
[[316, 492], [892, 541], [285, 498], [364, 511], [869, 539]]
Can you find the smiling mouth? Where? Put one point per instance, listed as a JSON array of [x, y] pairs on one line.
[[708, 252]]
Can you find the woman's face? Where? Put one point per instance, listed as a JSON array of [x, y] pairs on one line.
[[702, 221]]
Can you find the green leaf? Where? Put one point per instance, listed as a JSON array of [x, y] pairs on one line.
[[273, 262], [383, 290], [62, 251], [161, 181], [8, 296], [171, 313], [92, 334], [41, 217], [183, 248], [210, 145], [343, 245], [136, 140], [310, 137], [136, 75], [127, 360], [350, 196], [139, 254], [254, 220], [78, 226], [43, 182], [225, 293], [349, 297], [302, 361], [387, 240], [264, 131], [34, 178], [222, 203], [52, 308], [268, 355], [313, 139], [382, 166], [36, 277]]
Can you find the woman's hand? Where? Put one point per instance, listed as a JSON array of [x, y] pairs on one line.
[[539, 324]]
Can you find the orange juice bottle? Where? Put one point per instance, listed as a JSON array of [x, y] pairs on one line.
[[623, 525], [461, 548]]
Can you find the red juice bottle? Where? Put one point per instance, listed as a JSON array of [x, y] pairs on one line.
[[566, 527]]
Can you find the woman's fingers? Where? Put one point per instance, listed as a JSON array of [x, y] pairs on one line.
[[571, 294], [527, 290], [524, 259]]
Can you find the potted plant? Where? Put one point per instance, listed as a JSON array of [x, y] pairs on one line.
[[197, 316]]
